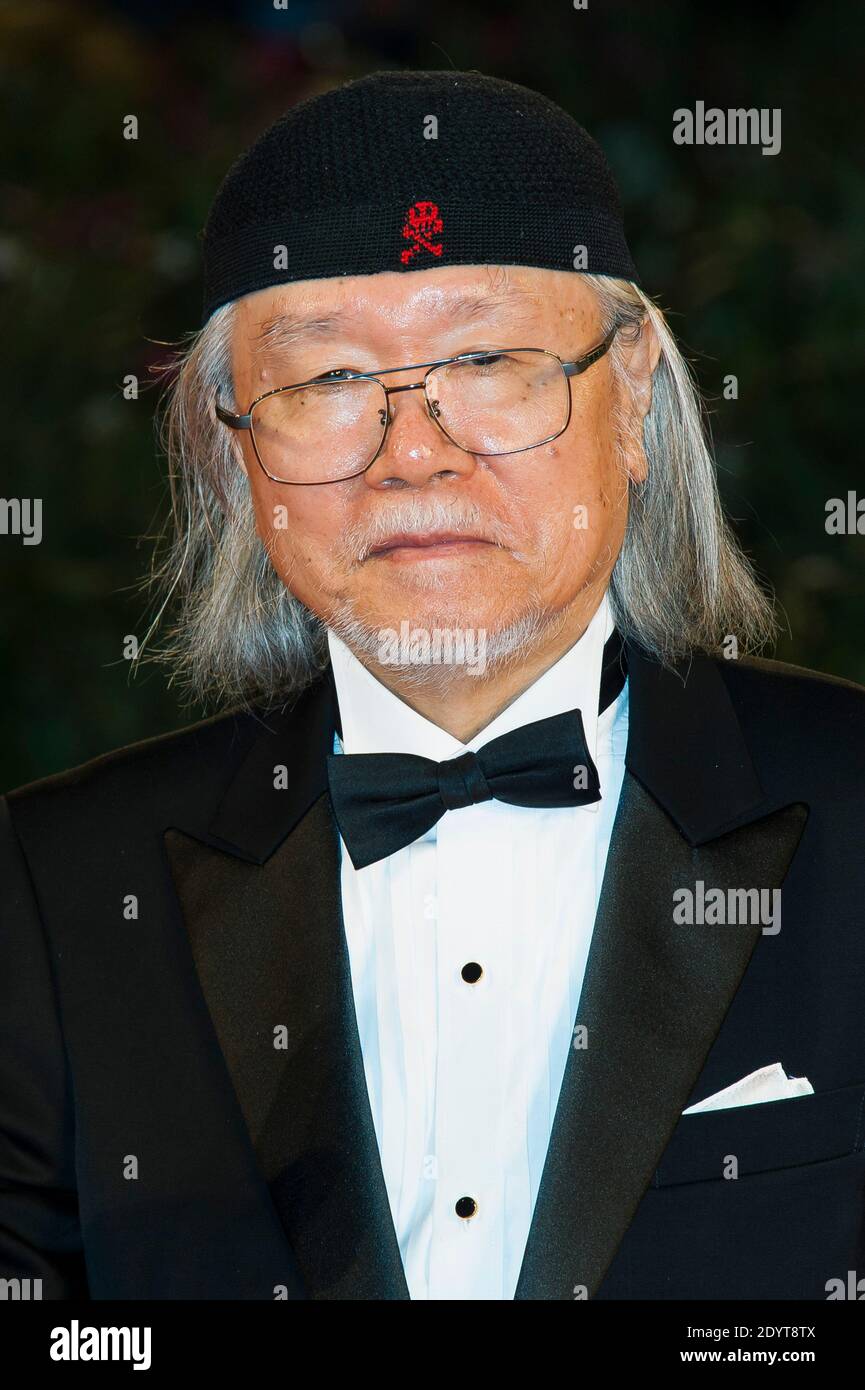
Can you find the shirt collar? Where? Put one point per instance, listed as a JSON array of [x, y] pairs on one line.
[[374, 720]]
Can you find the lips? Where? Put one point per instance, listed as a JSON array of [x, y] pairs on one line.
[[426, 540]]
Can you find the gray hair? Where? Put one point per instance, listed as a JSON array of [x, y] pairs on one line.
[[238, 637]]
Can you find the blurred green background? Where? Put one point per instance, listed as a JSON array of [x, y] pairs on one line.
[[757, 259]]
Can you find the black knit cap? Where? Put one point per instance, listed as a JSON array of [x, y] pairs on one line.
[[348, 183]]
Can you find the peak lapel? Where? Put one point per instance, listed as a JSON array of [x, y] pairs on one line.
[[655, 992], [261, 904]]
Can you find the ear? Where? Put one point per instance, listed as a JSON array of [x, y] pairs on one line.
[[640, 360]]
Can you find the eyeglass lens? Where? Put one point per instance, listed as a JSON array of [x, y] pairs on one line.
[[495, 404]]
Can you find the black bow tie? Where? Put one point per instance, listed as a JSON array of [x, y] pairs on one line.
[[384, 801]]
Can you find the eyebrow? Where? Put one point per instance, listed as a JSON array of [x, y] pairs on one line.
[[285, 331]]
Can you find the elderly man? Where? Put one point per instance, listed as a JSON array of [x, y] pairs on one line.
[[449, 960]]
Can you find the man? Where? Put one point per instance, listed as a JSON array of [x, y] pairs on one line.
[[450, 958]]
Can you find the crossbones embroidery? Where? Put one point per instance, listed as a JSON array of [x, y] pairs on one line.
[[422, 222]]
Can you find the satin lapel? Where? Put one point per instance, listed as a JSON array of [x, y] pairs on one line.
[[655, 993], [265, 925]]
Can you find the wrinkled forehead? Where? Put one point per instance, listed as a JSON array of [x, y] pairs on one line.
[[308, 312]]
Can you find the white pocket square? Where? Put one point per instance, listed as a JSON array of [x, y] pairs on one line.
[[769, 1083]]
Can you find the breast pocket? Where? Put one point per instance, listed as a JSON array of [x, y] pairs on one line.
[[766, 1136]]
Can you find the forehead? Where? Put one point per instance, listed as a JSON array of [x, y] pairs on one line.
[[439, 298]]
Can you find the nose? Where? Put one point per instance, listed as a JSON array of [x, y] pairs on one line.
[[416, 451]]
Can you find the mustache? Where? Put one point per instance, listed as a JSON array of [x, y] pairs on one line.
[[419, 514]]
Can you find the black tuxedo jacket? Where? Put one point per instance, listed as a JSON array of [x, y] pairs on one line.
[[165, 908]]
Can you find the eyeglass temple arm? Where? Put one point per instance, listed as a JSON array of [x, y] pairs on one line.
[[583, 364], [236, 422], [244, 422]]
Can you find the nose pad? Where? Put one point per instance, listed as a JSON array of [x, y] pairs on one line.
[[410, 455]]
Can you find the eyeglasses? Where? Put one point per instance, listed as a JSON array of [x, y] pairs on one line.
[[333, 427]]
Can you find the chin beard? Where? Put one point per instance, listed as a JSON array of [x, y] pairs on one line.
[[429, 664]]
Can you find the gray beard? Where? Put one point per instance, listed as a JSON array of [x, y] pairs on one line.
[[507, 647]]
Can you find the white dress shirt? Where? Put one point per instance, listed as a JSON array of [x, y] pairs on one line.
[[464, 1078]]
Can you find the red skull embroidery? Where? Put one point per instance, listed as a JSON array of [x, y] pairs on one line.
[[422, 222]]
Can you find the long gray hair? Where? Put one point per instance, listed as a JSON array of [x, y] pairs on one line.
[[237, 636]]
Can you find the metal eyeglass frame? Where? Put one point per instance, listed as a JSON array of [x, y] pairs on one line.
[[575, 368]]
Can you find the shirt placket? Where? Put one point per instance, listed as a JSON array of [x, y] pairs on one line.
[[472, 922]]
